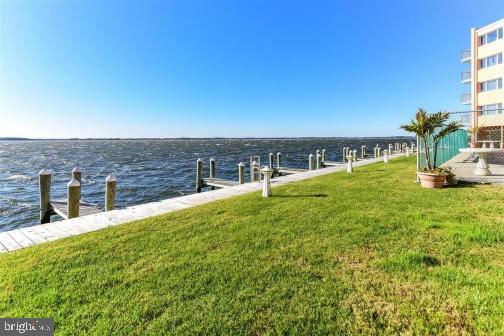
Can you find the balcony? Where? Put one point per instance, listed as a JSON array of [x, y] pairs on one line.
[[465, 98], [465, 56], [465, 77]]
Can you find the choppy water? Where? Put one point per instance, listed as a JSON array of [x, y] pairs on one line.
[[146, 170]]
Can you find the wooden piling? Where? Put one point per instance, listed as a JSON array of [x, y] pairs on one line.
[[385, 156], [73, 201], [311, 162], [45, 195], [110, 192], [199, 175], [271, 158], [354, 155], [212, 167], [254, 171], [77, 174], [363, 152], [323, 157], [279, 163], [241, 173], [319, 160]]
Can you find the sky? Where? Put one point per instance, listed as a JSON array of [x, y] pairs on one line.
[[219, 68]]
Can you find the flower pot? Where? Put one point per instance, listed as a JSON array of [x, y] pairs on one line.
[[431, 181]]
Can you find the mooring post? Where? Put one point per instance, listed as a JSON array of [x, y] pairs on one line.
[[212, 171], [266, 171], [212, 167], [279, 162], [271, 157], [199, 175], [73, 201], [354, 155], [390, 147], [379, 151], [45, 195], [319, 160], [407, 152], [241, 173], [376, 151], [77, 174], [385, 155], [363, 152], [254, 170], [311, 162], [110, 192]]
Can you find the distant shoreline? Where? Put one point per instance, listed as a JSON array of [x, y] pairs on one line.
[[216, 138]]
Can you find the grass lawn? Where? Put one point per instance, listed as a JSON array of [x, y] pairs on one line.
[[363, 253]]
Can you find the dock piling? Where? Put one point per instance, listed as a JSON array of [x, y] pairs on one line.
[[271, 157], [73, 200], [354, 155], [254, 172], [110, 192], [385, 156], [311, 162], [241, 173], [212, 171], [45, 195], [199, 175], [363, 152], [323, 157], [319, 160]]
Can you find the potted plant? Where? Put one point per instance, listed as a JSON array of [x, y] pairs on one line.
[[430, 129], [473, 132]]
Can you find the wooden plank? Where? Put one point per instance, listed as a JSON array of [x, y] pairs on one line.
[[21, 238], [33, 235], [8, 242], [61, 208], [219, 183]]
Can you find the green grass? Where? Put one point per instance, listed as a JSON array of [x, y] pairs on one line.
[[363, 253]]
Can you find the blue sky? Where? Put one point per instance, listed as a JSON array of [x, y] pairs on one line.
[[230, 68]]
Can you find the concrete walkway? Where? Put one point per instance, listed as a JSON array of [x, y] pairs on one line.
[[38, 234]]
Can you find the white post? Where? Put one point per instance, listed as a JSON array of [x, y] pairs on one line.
[[407, 151], [363, 152], [266, 171], [354, 155], [349, 164], [319, 160], [311, 162], [390, 149], [385, 155]]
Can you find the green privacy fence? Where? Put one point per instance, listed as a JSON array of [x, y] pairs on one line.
[[448, 147]]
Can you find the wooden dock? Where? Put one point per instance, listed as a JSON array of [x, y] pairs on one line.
[[38, 234], [85, 209]]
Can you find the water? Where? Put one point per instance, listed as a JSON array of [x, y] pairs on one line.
[[146, 170]]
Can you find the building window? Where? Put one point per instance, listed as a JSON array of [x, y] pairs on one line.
[[492, 109], [491, 36], [491, 85], [490, 61]]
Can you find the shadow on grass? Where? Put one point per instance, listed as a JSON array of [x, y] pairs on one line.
[[313, 195]]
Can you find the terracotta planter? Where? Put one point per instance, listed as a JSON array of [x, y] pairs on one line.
[[431, 181]]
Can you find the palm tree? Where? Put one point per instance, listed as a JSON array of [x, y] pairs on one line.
[[431, 128]]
